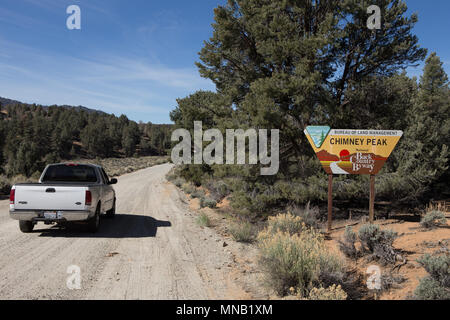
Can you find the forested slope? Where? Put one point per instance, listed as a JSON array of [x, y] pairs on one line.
[[32, 136]]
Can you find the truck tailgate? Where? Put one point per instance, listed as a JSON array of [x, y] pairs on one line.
[[48, 197]]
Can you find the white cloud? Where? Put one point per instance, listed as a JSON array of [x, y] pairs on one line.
[[116, 84]]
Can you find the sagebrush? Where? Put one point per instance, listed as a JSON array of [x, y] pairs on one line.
[[434, 218], [298, 260], [378, 243], [436, 285], [207, 202], [347, 244], [375, 243]]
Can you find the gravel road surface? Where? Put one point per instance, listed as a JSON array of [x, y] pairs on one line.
[[152, 249]]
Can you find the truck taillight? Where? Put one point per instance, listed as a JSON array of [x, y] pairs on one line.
[[12, 196], [88, 198]]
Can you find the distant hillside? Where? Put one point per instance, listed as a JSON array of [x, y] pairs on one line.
[[32, 136], [9, 102]]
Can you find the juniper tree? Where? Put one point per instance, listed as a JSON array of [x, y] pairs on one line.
[[205, 106], [287, 64]]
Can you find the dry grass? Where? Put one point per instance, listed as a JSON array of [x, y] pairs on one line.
[[286, 223], [443, 206], [331, 293], [203, 220], [118, 166], [243, 232]]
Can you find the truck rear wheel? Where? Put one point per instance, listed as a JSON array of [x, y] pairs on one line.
[[94, 222], [111, 213], [26, 226]]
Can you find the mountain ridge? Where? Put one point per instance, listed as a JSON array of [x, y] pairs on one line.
[[10, 102]]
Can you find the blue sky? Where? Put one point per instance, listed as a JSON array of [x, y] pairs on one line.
[[132, 57]]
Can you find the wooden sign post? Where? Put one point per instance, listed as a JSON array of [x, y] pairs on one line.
[[351, 151], [330, 202], [372, 198]]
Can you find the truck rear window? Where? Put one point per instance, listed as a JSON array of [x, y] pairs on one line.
[[69, 173]]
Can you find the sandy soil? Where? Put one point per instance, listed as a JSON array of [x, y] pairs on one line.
[[244, 269], [412, 243], [153, 249]]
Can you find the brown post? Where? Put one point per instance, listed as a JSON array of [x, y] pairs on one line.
[[372, 198], [330, 201]]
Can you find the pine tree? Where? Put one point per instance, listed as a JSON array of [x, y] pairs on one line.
[[130, 138], [424, 153], [32, 136]]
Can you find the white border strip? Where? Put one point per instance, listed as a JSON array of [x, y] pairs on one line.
[[357, 132]]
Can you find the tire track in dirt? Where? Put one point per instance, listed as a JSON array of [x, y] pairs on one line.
[[152, 249]]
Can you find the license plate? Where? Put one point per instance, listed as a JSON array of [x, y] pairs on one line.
[[53, 215]]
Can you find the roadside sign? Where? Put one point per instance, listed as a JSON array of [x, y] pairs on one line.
[[348, 151]]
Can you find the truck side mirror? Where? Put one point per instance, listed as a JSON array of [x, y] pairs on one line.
[[113, 181]]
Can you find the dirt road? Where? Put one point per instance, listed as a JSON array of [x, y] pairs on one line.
[[153, 249]]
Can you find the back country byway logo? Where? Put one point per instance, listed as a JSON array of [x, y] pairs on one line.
[[344, 151]]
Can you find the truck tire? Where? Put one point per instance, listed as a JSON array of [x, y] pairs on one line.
[[94, 222], [26, 226], [112, 212]]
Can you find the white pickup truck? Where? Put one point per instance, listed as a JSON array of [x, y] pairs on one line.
[[66, 192]]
